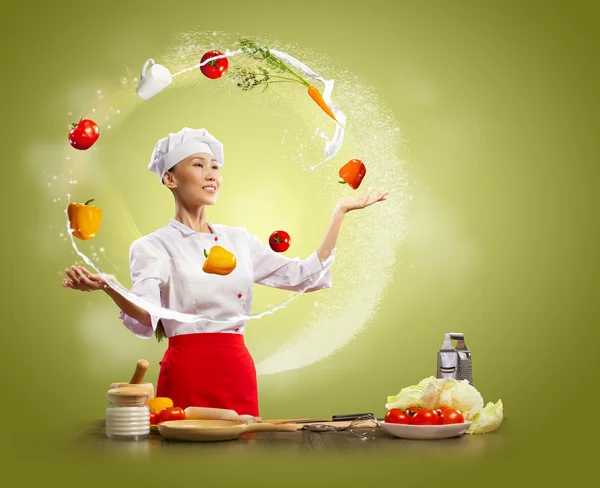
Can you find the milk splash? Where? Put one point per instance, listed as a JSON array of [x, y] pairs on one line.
[[331, 146], [172, 314]]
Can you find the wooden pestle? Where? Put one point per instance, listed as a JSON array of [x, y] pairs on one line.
[[140, 371]]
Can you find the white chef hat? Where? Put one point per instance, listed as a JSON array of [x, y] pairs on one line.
[[174, 148]]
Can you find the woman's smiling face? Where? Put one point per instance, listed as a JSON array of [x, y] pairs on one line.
[[196, 179]]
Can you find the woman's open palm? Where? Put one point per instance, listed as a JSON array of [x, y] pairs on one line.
[[81, 279], [352, 203]]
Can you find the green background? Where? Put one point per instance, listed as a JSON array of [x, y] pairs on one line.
[[496, 104]]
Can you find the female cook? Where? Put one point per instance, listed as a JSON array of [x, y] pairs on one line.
[[207, 363]]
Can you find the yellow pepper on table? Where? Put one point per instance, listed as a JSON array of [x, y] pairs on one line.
[[219, 261], [159, 403], [84, 219]]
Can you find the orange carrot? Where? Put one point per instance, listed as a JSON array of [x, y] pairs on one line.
[[250, 79], [316, 96]]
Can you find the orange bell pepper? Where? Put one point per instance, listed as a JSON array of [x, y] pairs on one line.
[[84, 219], [219, 261], [353, 173]]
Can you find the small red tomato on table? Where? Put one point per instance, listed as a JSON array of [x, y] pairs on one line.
[[153, 418], [215, 68], [84, 134], [172, 413], [280, 241], [425, 417], [451, 416], [396, 416]]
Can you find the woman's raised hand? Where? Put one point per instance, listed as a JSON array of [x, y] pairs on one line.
[[81, 279], [352, 203]]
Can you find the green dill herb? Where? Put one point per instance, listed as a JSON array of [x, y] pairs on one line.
[[261, 53], [247, 79]]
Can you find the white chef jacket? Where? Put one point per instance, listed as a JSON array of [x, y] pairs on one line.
[[166, 270]]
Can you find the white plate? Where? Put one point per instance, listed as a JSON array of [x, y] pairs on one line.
[[408, 431]]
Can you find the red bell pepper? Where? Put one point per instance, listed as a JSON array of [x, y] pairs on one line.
[[353, 173]]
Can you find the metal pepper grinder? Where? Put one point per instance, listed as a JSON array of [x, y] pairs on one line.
[[454, 362]]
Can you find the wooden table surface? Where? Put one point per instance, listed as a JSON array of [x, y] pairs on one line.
[[299, 441]]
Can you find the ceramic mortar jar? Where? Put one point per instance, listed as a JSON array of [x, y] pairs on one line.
[[127, 414]]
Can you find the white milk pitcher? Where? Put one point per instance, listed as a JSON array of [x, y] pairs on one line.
[[153, 81]]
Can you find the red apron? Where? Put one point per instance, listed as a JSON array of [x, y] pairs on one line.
[[209, 370]]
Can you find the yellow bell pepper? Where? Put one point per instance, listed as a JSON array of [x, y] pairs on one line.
[[84, 219], [219, 261], [159, 403]]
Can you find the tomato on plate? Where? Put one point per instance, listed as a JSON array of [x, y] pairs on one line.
[[425, 417], [172, 413], [452, 416], [410, 411], [153, 418], [84, 134], [439, 410], [396, 416], [280, 241], [216, 68]]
